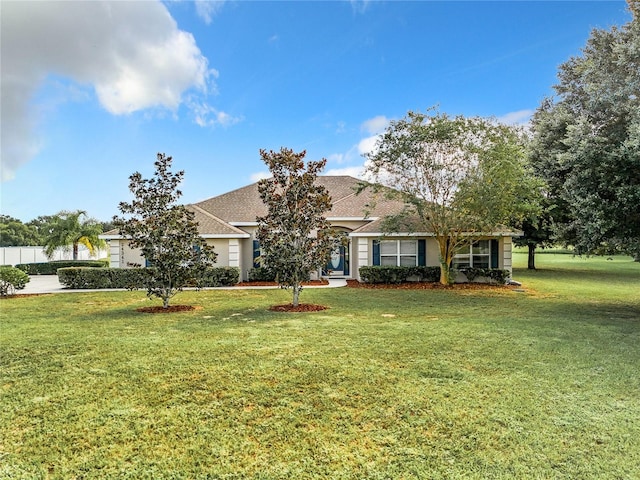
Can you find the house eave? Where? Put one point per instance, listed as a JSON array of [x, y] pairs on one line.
[[226, 235], [516, 233], [352, 219]]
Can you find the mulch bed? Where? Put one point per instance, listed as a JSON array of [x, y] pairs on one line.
[[275, 284], [302, 307], [169, 309], [425, 286]]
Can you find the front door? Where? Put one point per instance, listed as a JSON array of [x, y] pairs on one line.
[[338, 263]]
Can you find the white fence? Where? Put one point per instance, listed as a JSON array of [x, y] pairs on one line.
[[15, 255]]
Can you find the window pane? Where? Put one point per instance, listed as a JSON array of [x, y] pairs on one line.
[[388, 261], [409, 247], [481, 247], [388, 247], [481, 261], [460, 261], [408, 261]]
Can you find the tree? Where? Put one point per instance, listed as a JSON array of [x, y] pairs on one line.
[[43, 226], [537, 232], [459, 177], [165, 231], [14, 233], [586, 142], [71, 229], [295, 237]]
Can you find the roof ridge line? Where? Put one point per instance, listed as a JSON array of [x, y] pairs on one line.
[[217, 219]]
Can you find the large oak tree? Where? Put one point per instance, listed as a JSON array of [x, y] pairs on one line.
[[459, 177], [586, 142]]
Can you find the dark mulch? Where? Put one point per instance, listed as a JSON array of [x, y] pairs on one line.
[[424, 286], [302, 307], [274, 284], [169, 309]]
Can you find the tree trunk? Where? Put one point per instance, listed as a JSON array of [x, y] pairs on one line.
[[296, 295], [75, 251], [531, 262], [445, 273], [446, 255]]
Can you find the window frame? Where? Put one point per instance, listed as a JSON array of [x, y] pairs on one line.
[[471, 258], [398, 255]]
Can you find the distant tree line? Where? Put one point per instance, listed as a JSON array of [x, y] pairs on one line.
[[64, 230]]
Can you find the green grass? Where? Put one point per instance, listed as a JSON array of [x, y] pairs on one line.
[[541, 383]]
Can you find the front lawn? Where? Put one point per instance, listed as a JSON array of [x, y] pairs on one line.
[[537, 382]]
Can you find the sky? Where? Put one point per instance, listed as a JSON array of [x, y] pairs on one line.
[[92, 91]]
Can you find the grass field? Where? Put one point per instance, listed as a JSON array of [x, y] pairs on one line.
[[540, 383]]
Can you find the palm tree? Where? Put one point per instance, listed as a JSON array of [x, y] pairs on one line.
[[69, 230]]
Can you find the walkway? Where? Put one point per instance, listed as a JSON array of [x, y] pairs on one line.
[[50, 284]]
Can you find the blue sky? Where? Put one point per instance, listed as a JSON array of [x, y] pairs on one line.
[[92, 91]]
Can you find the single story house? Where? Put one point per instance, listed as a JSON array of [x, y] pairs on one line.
[[228, 222]]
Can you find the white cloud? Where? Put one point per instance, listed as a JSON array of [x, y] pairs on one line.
[[257, 176], [366, 145], [357, 171], [207, 9], [375, 125], [207, 116], [131, 53], [521, 117]]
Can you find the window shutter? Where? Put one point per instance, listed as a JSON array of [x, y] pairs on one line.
[[256, 253], [422, 253], [494, 253], [376, 252]]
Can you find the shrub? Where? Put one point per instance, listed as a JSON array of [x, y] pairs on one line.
[[12, 279], [261, 274], [493, 275], [383, 274], [220, 277], [51, 268], [135, 278]]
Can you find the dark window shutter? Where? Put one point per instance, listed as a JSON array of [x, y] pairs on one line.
[[422, 253], [494, 253], [256, 253], [376, 252]]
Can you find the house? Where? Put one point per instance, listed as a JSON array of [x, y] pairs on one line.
[[228, 222]]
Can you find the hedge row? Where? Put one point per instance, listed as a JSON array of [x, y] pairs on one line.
[[135, 278], [51, 268], [493, 275], [381, 274]]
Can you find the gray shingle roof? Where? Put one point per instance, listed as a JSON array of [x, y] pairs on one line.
[[245, 205]]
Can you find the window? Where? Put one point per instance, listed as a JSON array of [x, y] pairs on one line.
[[402, 253], [476, 254]]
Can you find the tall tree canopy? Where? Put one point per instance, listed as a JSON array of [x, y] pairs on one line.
[[14, 233], [165, 231], [586, 142], [71, 229], [458, 177], [295, 237]]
